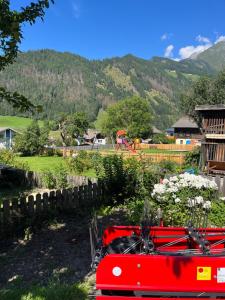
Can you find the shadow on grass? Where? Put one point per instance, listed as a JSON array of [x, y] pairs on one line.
[[50, 292]]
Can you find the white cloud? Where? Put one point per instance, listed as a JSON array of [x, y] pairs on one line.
[[220, 39], [188, 51], [76, 10], [164, 37], [203, 39], [169, 51]]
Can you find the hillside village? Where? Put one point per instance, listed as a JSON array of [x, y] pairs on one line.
[[112, 167]]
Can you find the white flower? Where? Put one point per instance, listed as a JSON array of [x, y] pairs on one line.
[[177, 200], [191, 203], [165, 181], [199, 200], [222, 198], [173, 178], [207, 205]]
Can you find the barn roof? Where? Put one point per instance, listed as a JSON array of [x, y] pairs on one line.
[[185, 122], [155, 130], [210, 107], [5, 128]]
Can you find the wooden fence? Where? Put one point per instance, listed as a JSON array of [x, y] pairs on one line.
[[152, 157], [167, 147], [16, 212], [33, 179]]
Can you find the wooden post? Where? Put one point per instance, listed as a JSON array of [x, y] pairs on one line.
[[86, 200], [59, 201], [75, 197], [95, 187], [45, 202], [52, 201], [6, 211], [90, 195], [38, 204], [70, 198], [15, 211], [81, 195], [31, 205], [65, 199]]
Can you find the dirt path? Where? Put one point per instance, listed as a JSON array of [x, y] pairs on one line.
[[59, 251]]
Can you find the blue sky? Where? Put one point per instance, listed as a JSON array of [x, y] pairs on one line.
[[99, 29]]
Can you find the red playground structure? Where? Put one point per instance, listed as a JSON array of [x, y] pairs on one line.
[[122, 140], [154, 262]]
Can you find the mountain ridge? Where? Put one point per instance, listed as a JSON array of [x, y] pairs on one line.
[[66, 82]]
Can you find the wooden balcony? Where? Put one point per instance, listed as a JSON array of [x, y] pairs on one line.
[[214, 126]]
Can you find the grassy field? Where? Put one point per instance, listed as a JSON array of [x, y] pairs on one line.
[[42, 163], [17, 123]]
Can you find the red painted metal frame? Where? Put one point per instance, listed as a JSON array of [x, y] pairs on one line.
[[160, 273], [146, 298]]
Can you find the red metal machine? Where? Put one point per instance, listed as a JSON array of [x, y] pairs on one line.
[[152, 262]]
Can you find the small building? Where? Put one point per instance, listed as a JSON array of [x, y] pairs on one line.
[[187, 131], [95, 137], [6, 137], [169, 132], [213, 144]]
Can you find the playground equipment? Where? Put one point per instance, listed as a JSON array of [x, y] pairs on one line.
[[122, 140], [152, 262]]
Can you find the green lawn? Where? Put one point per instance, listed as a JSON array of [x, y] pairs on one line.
[[41, 163], [17, 123]]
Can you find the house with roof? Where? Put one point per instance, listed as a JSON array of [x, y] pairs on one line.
[[6, 137], [187, 131], [95, 137]]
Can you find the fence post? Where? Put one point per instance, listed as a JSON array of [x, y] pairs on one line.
[[65, 199], [75, 197], [6, 212], [45, 202], [31, 205], [38, 204], [90, 195], [81, 195], [95, 187], [52, 201], [59, 202], [15, 212]]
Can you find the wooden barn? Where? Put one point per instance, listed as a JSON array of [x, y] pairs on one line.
[[186, 131], [213, 144]]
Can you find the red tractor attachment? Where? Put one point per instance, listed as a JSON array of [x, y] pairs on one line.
[[152, 262]]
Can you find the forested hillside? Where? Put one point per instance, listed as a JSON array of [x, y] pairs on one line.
[[63, 82]]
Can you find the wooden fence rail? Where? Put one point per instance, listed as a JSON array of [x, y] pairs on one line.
[[152, 157], [168, 147], [15, 212]]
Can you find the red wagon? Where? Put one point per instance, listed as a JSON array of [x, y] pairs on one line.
[[155, 262]]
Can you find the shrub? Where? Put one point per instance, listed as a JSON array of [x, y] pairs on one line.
[[56, 179], [161, 138], [193, 158], [60, 173], [8, 157], [79, 163], [184, 196], [169, 166], [48, 179]]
